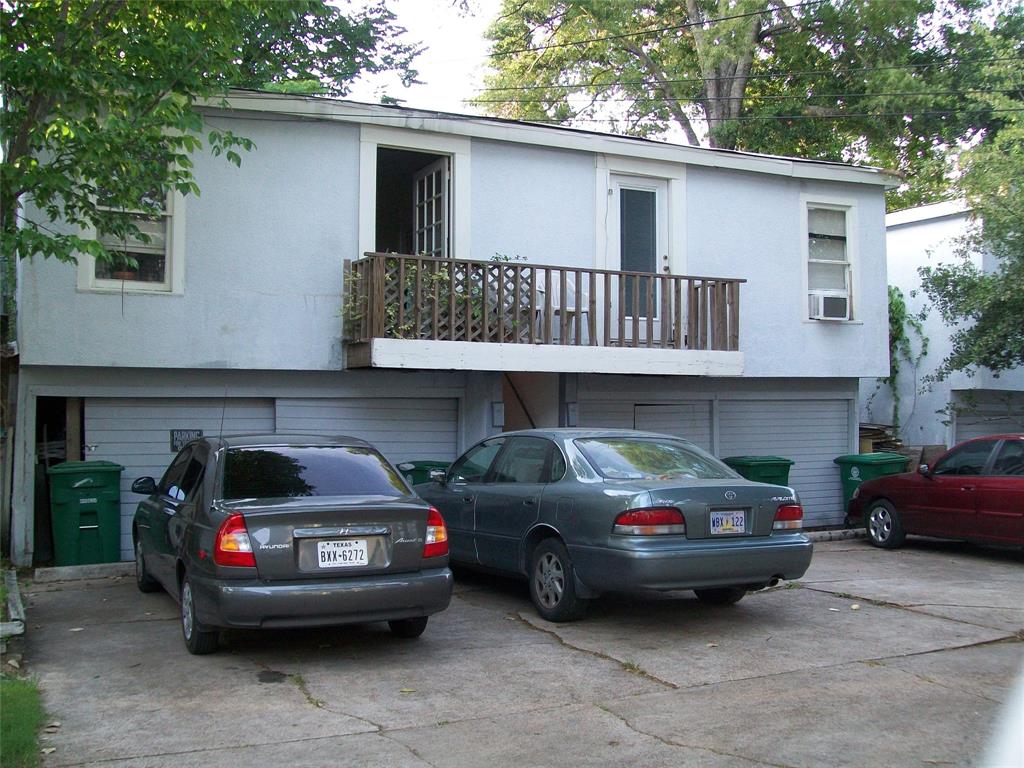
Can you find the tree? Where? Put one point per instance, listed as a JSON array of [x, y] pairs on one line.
[[986, 306], [888, 83], [102, 100]]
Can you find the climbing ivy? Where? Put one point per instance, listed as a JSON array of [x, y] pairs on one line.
[[903, 326]]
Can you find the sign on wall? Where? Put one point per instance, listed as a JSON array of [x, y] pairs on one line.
[[181, 436]]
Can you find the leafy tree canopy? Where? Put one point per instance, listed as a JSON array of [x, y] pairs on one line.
[[101, 99], [888, 83]]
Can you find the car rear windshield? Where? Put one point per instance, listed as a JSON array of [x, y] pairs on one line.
[[275, 472], [637, 458]]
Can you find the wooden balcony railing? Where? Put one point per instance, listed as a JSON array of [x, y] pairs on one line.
[[393, 296]]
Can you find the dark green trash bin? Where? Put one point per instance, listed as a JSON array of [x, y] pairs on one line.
[[762, 469], [855, 468], [416, 472], [85, 508]]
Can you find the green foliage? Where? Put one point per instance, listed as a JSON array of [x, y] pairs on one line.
[[903, 326], [23, 716], [835, 80], [102, 100], [982, 294]]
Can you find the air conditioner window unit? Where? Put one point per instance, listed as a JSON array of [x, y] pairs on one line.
[[829, 306]]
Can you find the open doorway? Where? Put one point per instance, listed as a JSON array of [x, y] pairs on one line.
[[413, 202]]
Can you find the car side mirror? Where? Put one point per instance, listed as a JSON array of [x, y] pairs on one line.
[[438, 476], [925, 470], [146, 486]]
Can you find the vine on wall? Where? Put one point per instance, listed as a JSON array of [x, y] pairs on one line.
[[903, 326]]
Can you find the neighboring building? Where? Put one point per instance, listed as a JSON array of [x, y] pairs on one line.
[[962, 406], [234, 319]]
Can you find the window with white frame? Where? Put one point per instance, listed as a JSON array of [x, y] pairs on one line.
[[828, 264], [137, 264]]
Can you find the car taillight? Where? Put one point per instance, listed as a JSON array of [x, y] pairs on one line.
[[232, 546], [789, 516], [436, 542], [653, 521]]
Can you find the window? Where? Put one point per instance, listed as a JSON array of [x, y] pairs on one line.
[[1010, 460], [158, 264], [630, 458], [969, 459], [183, 476], [472, 467], [524, 461], [828, 264]]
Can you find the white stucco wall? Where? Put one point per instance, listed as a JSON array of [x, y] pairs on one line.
[[265, 245], [926, 236]]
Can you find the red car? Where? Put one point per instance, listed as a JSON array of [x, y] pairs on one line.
[[975, 491]]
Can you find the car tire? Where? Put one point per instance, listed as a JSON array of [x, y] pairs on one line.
[[553, 583], [143, 580], [720, 596], [408, 628], [198, 640], [883, 524]]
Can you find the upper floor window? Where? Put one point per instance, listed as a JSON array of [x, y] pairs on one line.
[[828, 264], [153, 264]]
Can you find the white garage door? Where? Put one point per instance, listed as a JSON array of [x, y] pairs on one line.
[[688, 419], [136, 433], [989, 414], [404, 429], [810, 432]]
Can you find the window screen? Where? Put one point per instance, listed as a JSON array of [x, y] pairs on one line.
[[638, 244]]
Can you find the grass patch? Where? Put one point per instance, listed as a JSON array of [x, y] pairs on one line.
[[19, 727]]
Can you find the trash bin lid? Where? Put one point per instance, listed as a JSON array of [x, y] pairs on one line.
[[757, 460], [69, 467], [879, 457]]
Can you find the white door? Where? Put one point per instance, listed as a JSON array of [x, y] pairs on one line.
[[638, 243], [431, 218]]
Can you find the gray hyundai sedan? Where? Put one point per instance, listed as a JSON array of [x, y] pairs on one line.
[[580, 512], [289, 531]]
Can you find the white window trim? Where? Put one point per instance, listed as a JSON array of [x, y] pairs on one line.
[[174, 264], [612, 169], [849, 207], [372, 137]]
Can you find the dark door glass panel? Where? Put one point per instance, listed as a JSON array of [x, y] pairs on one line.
[[638, 245]]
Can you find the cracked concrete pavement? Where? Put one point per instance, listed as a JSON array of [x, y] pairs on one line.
[[793, 676]]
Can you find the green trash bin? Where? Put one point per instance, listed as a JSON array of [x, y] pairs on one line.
[[416, 472], [85, 508], [855, 468], [762, 469]]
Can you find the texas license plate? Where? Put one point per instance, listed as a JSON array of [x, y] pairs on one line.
[[731, 521], [346, 553]]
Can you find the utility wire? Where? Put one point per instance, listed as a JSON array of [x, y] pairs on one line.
[[658, 30], [654, 82]]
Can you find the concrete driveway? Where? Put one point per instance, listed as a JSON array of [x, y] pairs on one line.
[[874, 659]]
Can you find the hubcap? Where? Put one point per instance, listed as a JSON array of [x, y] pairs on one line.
[[549, 580], [186, 610], [880, 523]]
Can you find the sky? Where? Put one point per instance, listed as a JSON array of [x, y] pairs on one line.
[[453, 63]]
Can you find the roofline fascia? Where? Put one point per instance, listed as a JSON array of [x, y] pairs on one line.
[[334, 110]]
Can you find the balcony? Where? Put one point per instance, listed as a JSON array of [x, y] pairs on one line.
[[417, 312]]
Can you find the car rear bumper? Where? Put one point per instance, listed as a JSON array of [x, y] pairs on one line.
[[658, 566], [251, 604]]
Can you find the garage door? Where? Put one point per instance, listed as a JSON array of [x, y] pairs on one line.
[[688, 419], [404, 429], [135, 432], [989, 414], [810, 432]]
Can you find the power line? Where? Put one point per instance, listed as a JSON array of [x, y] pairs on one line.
[[672, 28], [654, 82], [841, 116], [699, 99]]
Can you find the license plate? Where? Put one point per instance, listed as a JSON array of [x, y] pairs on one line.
[[347, 553], [733, 521]]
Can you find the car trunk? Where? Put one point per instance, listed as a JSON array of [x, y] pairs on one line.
[[337, 536], [719, 509]]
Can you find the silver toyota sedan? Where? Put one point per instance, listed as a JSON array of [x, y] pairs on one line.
[[580, 512]]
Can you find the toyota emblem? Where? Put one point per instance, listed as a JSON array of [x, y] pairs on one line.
[[730, 495]]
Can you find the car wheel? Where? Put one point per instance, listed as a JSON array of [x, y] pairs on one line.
[[197, 640], [553, 583], [722, 596], [408, 628], [883, 525], [143, 580]]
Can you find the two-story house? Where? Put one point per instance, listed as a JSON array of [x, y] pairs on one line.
[[961, 406], [525, 274]]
